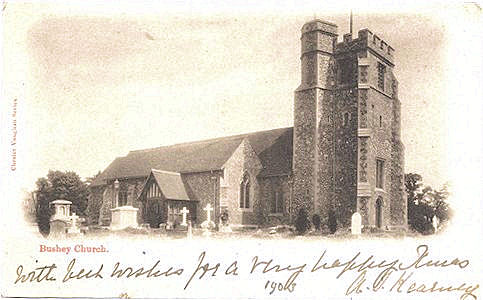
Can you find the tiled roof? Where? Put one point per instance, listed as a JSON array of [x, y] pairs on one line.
[[274, 147], [171, 185]]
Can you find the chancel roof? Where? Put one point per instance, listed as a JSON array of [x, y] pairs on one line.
[[274, 148]]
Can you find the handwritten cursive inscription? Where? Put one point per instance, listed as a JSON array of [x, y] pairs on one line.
[[370, 274], [38, 274]]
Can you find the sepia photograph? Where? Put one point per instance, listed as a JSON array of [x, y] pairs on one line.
[[219, 150]]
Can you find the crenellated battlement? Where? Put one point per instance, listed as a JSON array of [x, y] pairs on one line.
[[367, 40], [375, 43], [320, 25]]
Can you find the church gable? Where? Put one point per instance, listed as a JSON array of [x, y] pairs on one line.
[[239, 191], [168, 185]]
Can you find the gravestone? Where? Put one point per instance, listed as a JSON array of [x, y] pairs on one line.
[[208, 210], [58, 229], [435, 223], [74, 225], [184, 211], [189, 233], [208, 225], [224, 226], [356, 223]]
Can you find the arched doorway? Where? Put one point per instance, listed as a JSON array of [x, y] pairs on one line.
[[379, 203]]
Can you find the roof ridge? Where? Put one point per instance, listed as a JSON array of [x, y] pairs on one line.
[[166, 172], [207, 140]]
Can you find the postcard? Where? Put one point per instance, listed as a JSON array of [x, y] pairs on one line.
[[221, 150]]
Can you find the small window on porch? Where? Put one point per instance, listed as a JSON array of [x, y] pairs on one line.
[[245, 192]]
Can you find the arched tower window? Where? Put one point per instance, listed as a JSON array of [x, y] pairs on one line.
[[245, 192], [346, 119], [379, 203]]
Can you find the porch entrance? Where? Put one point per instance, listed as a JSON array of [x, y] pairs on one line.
[[154, 213]]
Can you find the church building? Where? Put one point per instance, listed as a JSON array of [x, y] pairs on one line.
[[343, 155]]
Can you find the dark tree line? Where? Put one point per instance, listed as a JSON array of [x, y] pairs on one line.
[[59, 185], [424, 203]]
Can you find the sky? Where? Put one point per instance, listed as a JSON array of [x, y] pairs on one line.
[[94, 82]]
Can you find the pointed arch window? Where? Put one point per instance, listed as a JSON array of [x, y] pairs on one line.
[[245, 192]]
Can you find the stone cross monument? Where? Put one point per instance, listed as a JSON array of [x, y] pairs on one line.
[[208, 210], [184, 211]]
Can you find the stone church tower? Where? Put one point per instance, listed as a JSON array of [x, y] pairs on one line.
[[347, 151]]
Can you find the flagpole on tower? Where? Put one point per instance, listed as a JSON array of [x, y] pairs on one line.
[[351, 23]]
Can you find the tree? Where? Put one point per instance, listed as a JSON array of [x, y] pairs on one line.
[[425, 203], [332, 221], [59, 185], [43, 210], [316, 221]]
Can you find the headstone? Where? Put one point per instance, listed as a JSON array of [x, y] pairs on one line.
[[74, 226], [208, 225], [356, 223], [208, 210], [169, 225], [189, 234], [184, 211], [223, 225], [58, 228], [435, 223]]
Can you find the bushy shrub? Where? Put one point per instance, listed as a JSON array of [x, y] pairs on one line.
[[332, 222], [316, 221], [224, 217], [302, 223]]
